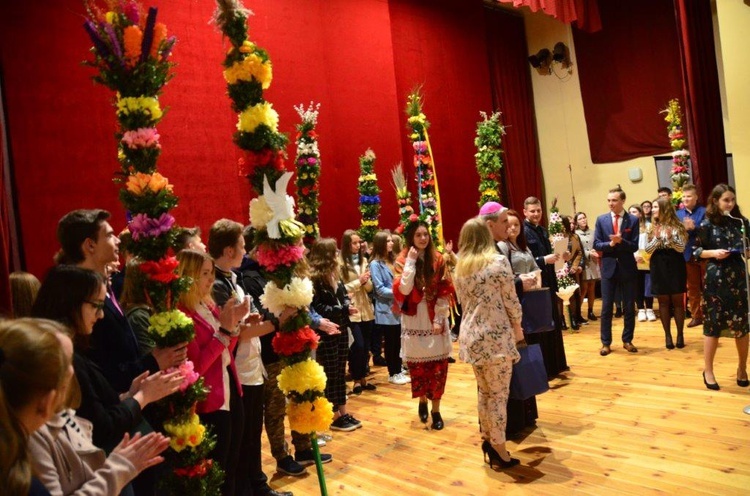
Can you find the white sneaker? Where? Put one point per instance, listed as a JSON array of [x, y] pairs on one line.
[[404, 371], [406, 378], [641, 315], [650, 315], [397, 379]]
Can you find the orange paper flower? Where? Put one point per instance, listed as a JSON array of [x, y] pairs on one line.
[[132, 37], [139, 183], [160, 34]]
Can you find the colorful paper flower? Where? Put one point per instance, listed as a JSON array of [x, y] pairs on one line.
[[297, 294], [144, 226], [310, 416], [188, 434], [162, 271], [145, 137], [262, 113], [163, 323], [286, 255], [307, 375], [299, 341]]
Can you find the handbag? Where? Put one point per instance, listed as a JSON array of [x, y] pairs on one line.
[[529, 375], [536, 305]]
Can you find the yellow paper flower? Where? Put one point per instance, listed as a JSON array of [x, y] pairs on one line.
[[185, 435], [109, 17], [247, 47], [250, 67], [142, 104], [164, 322], [158, 183], [263, 113], [302, 376], [308, 417]]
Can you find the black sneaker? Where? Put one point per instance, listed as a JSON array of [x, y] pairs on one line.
[[342, 424], [356, 423], [288, 466], [306, 457]]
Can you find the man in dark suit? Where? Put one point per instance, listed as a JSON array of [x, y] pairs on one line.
[[537, 237], [89, 242], [616, 237]]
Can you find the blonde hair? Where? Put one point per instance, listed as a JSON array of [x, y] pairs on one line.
[[23, 290], [476, 249], [191, 263], [32, 364]]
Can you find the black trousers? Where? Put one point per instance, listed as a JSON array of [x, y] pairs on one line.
[[227, 426], [250, 476], [392, 335], [359, 353]]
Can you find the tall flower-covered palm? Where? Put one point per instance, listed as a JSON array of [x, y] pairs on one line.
[[131, 56], [279, 249], [403, 197], [369, 196], [429, 194], [680, 171], [489, 156], [308, 172]]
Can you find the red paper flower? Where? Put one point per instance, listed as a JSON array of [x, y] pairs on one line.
[[162, 271], [291, 343], [413, 218]]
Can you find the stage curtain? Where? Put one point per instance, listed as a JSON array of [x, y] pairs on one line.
[[628, 75], [583, 13], [512, 95], [702, 107], [4, 233]]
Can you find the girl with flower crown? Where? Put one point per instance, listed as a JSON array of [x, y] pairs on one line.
[[422, 292]]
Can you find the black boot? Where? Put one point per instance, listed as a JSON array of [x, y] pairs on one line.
[[423, 411], [437, 422]]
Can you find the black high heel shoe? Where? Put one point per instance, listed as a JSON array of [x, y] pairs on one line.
[[742, 382], [712, 386], [668, 340], [423, 411], [680, 340], [492, 457], [437, 422], [592, 317]]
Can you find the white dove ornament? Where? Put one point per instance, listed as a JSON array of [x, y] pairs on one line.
[[280, 203]]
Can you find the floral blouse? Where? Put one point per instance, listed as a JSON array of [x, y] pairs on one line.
[[490, 308]]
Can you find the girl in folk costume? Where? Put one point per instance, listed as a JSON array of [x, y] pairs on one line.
[[422, 292]]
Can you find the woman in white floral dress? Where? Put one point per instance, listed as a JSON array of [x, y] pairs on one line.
[[490, 328]]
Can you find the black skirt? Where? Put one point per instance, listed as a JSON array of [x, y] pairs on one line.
[[668, 273]]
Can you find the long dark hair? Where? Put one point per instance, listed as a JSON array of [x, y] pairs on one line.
[[521, 238], [346, 249], [713, 212], [425, 267], [380, 247], [323, 262], [64, 291]]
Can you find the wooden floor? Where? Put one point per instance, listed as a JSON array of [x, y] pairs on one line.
[[627, 423]]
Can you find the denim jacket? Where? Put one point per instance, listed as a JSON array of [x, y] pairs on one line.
[[382, 281]]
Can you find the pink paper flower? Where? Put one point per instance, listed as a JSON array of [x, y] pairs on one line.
[[284, 256], [144, 226], [145, 137], [189, 375]]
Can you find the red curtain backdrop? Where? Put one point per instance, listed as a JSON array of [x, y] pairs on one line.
[[358, 59], [5, 241], [437, 44], [512, 95], [629, 71], [583, 13], [702, 105]]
